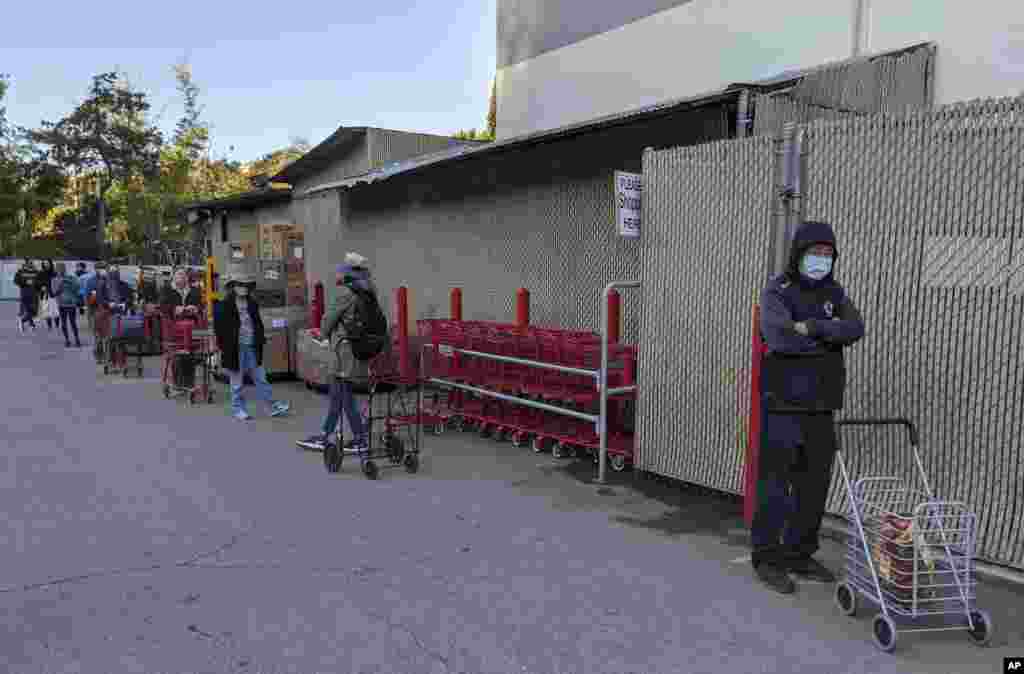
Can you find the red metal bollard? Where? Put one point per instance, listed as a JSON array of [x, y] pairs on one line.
[[522, 309], [402, 316], [754, 430], [456, 304], [614, 316], [318, 308]]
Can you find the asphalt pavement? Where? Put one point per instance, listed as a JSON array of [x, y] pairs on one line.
[[144, 535]]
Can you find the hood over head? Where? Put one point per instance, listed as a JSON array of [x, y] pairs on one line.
[[808, 234]]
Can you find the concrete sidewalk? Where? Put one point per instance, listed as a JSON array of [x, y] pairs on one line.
[[146, 536]]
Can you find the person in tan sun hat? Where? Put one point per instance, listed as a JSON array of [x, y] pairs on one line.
[[240, 337]]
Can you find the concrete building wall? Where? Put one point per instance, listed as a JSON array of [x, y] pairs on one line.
[[243, 228], [701, 46], [541, 219]]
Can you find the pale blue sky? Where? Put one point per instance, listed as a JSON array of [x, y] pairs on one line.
[[269, 71]]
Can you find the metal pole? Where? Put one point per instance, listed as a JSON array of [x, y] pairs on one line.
[[602, 379]]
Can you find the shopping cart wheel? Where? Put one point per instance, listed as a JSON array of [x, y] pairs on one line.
[[486, 430], [395, 448], [618, 462], [209, 397], [539, 445], [167, 391], [332, 457], [846, 599], [439, 428], [106, 369], [560, 450], [981, 635], [370, 469], [518, 439], [884, 630], [412, 463], [138, 371]]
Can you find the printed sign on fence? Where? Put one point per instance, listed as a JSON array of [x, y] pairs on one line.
[[628, 198]]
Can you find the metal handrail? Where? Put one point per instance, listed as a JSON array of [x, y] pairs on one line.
[[522, 361], [515, 399]]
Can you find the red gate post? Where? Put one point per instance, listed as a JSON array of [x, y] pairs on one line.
[[318, 305], [754, 430], [522, 309], [614, 316], [402, 316], [455, 304]]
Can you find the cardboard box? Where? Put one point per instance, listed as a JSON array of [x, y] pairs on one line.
[[276, 352]]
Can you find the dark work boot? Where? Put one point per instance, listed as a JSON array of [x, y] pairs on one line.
[[811, 569], [775, 577]]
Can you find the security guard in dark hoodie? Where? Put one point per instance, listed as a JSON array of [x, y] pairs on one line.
[[807, 320]]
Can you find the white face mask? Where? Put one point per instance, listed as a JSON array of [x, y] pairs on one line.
[[816, 267], [241, 291]]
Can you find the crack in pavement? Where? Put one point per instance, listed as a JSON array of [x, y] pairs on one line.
[[109, 573], [416, 639]]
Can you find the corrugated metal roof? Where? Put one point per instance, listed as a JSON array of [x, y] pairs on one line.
[[727, 94], [324, 153], [251, 199], [459, 153]]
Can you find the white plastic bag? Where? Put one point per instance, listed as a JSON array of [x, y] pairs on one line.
[[52, 309]]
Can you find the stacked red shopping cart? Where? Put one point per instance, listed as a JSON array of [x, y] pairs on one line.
[[187, 367], [502, 418]]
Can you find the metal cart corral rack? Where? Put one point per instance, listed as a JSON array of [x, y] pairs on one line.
[[910, 554], [514, 375]]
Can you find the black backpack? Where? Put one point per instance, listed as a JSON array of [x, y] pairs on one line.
[[367, 327]]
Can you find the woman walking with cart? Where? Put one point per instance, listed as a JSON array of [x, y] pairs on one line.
[[807, 320], [339, 326], [65, 288], [240, 337]]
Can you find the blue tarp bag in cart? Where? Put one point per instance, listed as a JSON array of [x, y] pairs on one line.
[[131, 327]]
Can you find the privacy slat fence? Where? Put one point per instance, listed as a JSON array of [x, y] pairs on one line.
[[929, 210]]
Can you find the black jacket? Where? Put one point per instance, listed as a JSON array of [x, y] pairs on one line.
[[27, 279], [226, 325], [806, 373], [171, 298], [104, 294]]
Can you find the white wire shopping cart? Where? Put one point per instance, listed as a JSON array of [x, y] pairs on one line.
[[910, 554]]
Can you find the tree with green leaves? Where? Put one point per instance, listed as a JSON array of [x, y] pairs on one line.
[[490, 123], [30, 184], [107, 135]]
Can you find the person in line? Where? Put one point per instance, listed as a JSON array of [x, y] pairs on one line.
[[240, 337], [80, 271], [180, 298], [112, 292], [65, 288], [807, 320], [89, 284], [46, 276], [339, 326], [27, 280]]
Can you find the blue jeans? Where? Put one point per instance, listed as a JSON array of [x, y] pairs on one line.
[[343, 399], [247, 364]]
